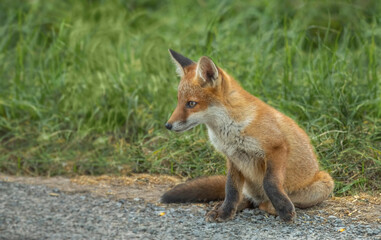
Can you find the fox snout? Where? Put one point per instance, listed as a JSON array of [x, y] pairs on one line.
[[168, 126], [182, 126], [176, 126], [179, 120]]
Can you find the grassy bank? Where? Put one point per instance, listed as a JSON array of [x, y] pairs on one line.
[[86, 86]]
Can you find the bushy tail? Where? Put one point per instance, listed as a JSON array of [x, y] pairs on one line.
[[319, 190], [203, 189]]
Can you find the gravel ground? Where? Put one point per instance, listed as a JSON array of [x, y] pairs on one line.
[[39, 212]]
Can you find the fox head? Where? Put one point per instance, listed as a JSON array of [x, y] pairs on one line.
[[199, 90]]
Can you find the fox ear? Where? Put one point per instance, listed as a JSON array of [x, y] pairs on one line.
[[207, 70], [180, 61]]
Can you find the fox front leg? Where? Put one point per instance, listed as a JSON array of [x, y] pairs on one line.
[[273, 186], [233, 192]]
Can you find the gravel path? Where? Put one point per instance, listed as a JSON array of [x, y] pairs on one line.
[[39, 212]]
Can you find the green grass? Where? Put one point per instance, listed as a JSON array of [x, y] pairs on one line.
[[86, 86]]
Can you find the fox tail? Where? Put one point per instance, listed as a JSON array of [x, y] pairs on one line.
[[202, 189]]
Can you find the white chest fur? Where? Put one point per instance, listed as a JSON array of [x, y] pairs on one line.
[[227, 137]]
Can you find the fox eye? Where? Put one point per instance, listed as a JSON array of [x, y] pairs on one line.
[[191, 104]]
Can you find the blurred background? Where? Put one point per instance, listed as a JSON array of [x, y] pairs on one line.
[[86, 86]]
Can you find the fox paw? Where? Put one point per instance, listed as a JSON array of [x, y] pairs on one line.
[[288, 217], [286, 213], [218, 214]]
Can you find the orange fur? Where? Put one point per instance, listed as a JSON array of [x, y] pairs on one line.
[[270, 154]]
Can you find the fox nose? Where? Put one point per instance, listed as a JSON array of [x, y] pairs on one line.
[[168, 126]]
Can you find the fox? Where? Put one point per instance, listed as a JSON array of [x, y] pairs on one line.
[[271, 163]]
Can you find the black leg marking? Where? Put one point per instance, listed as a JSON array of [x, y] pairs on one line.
[[278, 198], [232, 197]]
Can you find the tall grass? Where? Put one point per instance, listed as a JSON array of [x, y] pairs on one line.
[[86, 86]]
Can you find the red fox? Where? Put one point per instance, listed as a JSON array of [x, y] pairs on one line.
[[271, 163]]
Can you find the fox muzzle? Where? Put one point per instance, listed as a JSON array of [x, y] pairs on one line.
[[168, 126]]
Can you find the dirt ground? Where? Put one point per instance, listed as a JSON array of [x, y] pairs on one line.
[[363, 207]]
